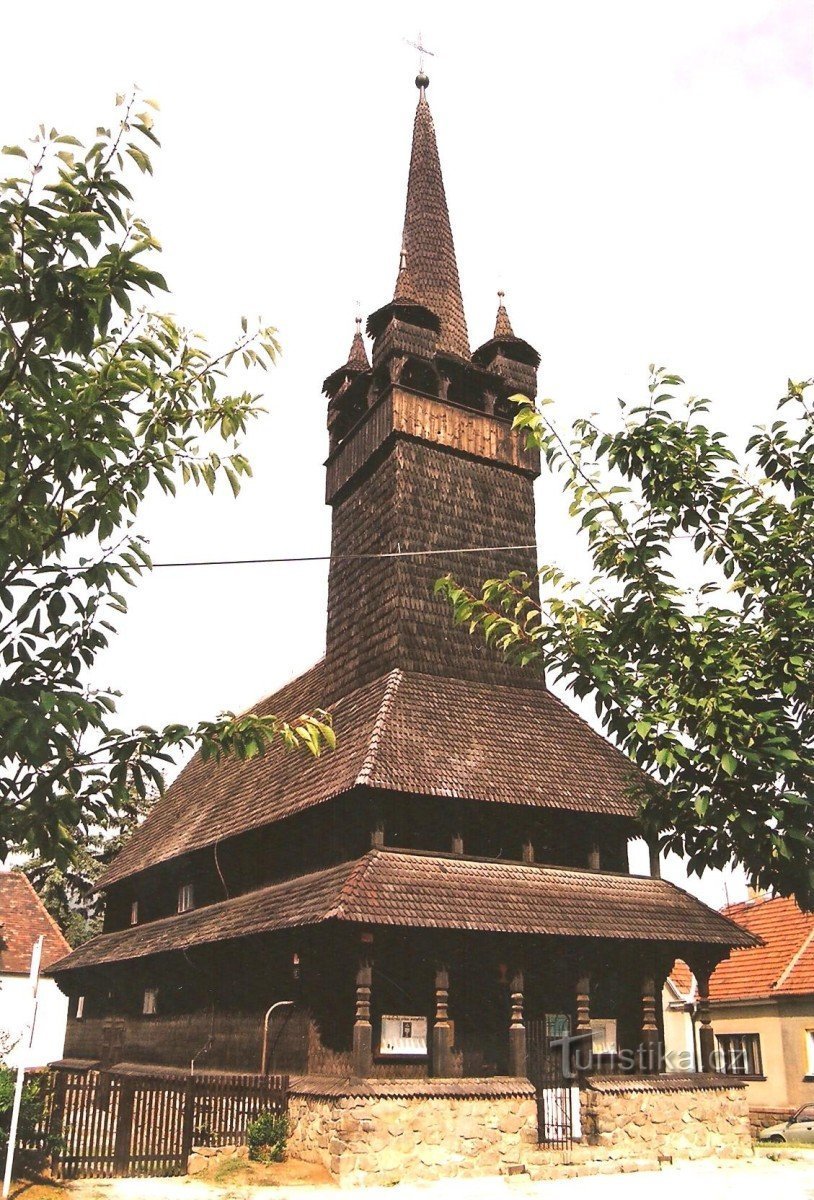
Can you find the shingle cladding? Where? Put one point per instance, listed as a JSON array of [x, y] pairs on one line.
[[403, 889], [429, 251], [403, 732], [382, 612]]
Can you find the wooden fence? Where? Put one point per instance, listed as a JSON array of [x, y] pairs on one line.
[[131, 1121]]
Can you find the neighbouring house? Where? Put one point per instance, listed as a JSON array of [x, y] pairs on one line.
[[417, 918], [23, 918], [762, 1003]]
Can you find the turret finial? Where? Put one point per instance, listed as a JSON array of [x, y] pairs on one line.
[[422, 80]]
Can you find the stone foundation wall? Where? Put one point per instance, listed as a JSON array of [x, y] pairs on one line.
[[675, 1123], [762, 1118], [384, 1139], [376, 1132]]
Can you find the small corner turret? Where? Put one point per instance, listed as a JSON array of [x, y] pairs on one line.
[[512, 359]]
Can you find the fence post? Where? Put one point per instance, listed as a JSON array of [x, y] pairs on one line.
[[124, 1125], [57, 1114], [188, 1131]]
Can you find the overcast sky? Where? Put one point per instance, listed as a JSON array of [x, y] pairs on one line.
[[637, 176]]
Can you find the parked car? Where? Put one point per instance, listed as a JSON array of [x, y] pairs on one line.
[[799, 1128]]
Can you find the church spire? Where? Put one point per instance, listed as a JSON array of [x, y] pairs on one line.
[[357, 359], [428, 265], [503, 326]]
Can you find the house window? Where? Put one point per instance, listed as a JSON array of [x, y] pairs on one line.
[[150, 1005], [134, 912], [810, 1053], [740, 1054], [80, 1007], [186, 897]]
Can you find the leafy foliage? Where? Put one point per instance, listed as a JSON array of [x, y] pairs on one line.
[[709, 688], [31, 1112], [267, 1136], [99, 400], [68, 890]]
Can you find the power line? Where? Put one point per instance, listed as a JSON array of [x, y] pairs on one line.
[[304, 558]]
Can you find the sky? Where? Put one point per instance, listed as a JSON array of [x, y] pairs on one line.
[[637, 177]]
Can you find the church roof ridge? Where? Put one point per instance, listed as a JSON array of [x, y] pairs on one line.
[[369, 765]]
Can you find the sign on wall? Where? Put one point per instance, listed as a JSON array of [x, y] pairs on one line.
[[403, 1037], [603, 1036]]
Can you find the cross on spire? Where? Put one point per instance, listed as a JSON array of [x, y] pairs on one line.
[[422, 50]]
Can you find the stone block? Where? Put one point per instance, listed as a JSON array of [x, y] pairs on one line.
[[197, 1164]]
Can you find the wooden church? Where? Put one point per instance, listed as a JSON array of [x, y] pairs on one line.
[[455, 873]]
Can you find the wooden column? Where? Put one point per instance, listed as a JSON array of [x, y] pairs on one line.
[[706, 1034], [362, 1029], [583, 1014], [441, 1030], [457, 843], [517, 1030], [594, 857], [655, 860], [650, 1031], [528, 850]]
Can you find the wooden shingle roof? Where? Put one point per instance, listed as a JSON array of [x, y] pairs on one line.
[[415, 890], [429, 262], [403, 732]]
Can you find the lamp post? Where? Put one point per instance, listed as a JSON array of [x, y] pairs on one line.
[[277, 1004]]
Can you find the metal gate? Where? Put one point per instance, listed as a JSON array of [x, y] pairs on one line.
[[548, 1069]]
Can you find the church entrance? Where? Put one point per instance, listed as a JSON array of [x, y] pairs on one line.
[[548, 1067]]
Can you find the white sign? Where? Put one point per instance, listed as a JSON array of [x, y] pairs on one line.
[[403, 1037], [603, 1036]]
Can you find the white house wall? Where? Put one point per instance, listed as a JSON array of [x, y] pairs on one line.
[[15, 1015]]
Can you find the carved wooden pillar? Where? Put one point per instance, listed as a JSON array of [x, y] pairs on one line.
[[517, 1030], [594, 857], [457, 842], [528, 850], [650, 1030], [706, 1034], [362, 1029], [583, 1013], [655, 860], [377, 832], [441, 1030]]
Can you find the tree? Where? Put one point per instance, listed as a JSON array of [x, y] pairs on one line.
[[68, 889], [99, 400], [695, 636]]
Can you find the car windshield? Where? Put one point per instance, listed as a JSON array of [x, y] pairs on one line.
[[806, 1113]]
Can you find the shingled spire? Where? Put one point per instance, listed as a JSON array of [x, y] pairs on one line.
[[357, 359], [428, 251], [339, 380], [503, 326]]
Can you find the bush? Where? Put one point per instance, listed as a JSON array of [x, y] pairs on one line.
[[31, 1114], [267, 1136]]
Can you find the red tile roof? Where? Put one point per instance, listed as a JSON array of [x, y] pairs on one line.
[[400, 888], [783, 966], [23, 918], [682, 977], [404, 732]]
